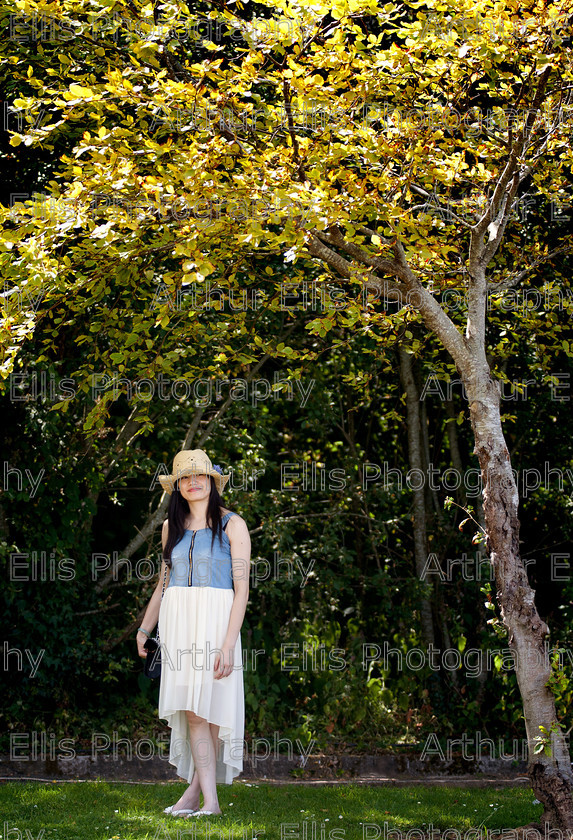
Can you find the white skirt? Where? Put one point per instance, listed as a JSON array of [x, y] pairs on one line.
[[193, 622]]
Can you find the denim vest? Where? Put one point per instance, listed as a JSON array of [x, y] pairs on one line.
[[194, 563]]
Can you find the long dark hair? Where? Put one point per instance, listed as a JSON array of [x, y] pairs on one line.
[[177, 514]]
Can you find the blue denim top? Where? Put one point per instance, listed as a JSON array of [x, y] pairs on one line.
[[208, 567]]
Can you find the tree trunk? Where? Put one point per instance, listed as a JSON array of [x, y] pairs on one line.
[[453, 443], [551, 775], [432, 497], [419, 505]]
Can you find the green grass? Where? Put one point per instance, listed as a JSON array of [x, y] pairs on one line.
[[104, 810]]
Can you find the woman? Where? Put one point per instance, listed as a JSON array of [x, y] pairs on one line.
[[206, 557]]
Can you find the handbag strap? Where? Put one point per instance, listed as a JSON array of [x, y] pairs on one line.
[[164, 579], [162, 594]]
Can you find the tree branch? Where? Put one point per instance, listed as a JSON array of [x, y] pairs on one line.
[[478, 249], [517, 278], [434, 316], [317, 248], [334, 236], [293, 137], [156, 518], [434, 203], [497, 229]]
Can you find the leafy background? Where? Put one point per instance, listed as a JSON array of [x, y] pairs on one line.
[[91, 289]]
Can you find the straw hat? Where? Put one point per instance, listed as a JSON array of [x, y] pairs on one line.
[[192, 462]]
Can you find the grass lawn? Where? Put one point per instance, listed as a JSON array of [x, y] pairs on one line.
[[109, 811]]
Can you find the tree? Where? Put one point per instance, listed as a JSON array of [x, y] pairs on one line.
[[430, 132]]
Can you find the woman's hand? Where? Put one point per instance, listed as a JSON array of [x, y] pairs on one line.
[[141, 639], [224, 661]]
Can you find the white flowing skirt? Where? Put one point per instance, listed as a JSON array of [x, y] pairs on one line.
[[193, 622]]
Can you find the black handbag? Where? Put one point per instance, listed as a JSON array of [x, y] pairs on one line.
[[152, 664]]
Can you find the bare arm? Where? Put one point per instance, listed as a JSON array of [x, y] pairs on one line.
[[240, 540], [152, 612]]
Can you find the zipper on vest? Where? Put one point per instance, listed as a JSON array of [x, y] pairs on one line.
[[191, 560]]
